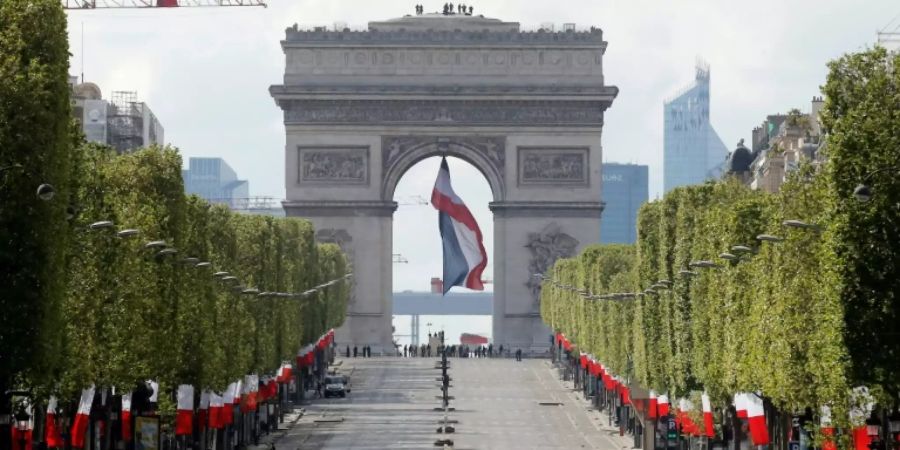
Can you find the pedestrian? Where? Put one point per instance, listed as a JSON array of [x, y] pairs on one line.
[[500, 353], [518, 354], [404, 346], [491, 350], [348, 351], [354, 351]]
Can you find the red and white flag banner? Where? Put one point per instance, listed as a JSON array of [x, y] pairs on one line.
[[740, 405], [828, 438], [756, 419], [82, 417], [708, 427], [216, 411], [51, 430], [203, 409], [184, 419], [236, 392], [23, 432], [863, 404], [126, 417], [652, 404], [662, 405]]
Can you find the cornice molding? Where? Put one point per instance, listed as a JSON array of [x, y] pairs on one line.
[[295, 37]]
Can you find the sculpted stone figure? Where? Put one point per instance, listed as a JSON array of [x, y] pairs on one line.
[[546, 247]]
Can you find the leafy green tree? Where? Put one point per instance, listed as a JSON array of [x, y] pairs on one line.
[[862, 92], [35, 148]]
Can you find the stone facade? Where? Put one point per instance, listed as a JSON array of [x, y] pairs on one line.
[[526, 109]]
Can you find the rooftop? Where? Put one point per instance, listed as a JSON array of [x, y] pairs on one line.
[[441, 22]]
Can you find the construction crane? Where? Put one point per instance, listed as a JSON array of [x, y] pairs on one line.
[[134, 4]]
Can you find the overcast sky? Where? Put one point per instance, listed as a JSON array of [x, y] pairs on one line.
[[205, 73]]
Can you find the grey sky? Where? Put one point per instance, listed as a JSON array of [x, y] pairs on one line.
[[205, 73]]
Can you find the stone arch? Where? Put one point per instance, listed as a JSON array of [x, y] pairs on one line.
[[487, 154]]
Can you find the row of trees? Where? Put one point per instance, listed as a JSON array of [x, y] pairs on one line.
[[802, 317], [86, 301], [135, 309]]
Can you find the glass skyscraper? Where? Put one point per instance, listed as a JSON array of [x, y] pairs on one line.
[[692, 151], [624, 190], [214, 180]]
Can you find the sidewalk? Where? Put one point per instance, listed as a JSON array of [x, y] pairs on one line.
[[599, 419], [270, 440]]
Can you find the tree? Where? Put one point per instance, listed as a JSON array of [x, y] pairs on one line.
[[862, 92], [35, 148]]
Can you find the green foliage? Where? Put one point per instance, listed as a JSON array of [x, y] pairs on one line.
[[132, 314], [862, 93], [777, 320], [34, 149]]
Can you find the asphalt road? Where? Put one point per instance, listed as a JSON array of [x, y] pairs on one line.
[[498, 406]]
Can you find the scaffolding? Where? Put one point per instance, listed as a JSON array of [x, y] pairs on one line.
[[126, 121]]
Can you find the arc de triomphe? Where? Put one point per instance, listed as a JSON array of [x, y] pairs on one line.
[[525, 108]]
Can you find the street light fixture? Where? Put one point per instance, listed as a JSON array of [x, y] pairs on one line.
[[728, 256], [203, 264], [190, 260], [45, 192], [703, 264], [793, 223], [167, 251], [155, 244], [769, 238], [687, 273], [129, 232], [103, 224], [862, 191], [221, 274], [741, 249]]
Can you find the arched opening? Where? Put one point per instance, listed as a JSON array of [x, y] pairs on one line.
[[417, 256]]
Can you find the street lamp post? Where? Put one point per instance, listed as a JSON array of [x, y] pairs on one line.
[[862, 191]]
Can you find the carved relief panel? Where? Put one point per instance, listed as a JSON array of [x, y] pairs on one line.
[[344, 165], [546, 247], [553, 166]]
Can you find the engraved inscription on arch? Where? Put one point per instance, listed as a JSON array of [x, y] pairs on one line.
[[553, 165], [333, 165]]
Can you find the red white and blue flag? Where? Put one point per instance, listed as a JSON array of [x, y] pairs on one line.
[[464, 255]]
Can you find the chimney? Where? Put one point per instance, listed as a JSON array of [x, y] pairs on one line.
[[437, 285]]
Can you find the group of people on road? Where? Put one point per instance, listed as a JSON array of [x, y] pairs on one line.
[[365, 353], [412, 351], [460, 351]]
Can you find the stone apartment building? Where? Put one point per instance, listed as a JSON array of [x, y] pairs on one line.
[[778, 147]]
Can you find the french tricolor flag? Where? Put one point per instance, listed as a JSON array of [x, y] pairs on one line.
[[464, 254]]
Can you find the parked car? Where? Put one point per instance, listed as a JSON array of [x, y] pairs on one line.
[[337, 386]]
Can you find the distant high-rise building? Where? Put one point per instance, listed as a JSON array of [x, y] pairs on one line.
[[121, 122], [624, 191], [692, 151], [214, 180]]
